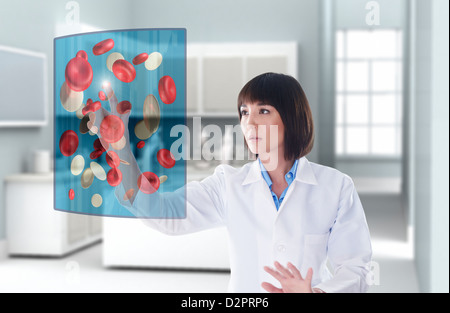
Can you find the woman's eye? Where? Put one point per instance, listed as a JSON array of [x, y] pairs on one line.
[[264, 111], [243, 112]]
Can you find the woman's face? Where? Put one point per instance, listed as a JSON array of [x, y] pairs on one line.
[[263, 128]]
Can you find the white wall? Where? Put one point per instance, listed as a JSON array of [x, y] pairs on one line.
[[440, 153], [353, 13], [430, 143]]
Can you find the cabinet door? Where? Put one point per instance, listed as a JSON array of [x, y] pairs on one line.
[[95, 225], [216, 72], [192, 82], [223, 79], [257, 65], [77, 228]]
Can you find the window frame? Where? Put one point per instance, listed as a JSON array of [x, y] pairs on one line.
[[342, 153]]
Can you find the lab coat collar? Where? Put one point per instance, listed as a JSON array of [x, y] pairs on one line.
[[305, 173]]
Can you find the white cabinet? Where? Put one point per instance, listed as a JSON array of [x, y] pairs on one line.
[[216, 72], [33, 227], [128, 242]]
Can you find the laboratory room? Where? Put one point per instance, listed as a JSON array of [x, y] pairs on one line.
[[208, 147]]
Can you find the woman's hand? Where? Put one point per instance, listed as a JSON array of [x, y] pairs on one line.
[[290, 279], [129, 169], [122, 118]]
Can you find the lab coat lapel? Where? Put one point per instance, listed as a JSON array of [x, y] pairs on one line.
[[262, 197], [304, 175], [253, 175]]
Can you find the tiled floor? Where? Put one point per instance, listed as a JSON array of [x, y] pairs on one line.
[[83, 271]]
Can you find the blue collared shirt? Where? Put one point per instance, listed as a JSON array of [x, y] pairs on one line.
[[290, 176]]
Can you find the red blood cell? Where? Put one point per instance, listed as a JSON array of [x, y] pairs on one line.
[[95, 154], [78, 74], [71, 194], [102, 95], [96, 106], [140, 144], [112, 159], [103, 46], [68, 143], [165, 158], [167, 89], [124, 71], [112, 128], [100, 145], [114, 177], [82, 54], [91, 107], [140, 58], [123, 107], [148, 182]]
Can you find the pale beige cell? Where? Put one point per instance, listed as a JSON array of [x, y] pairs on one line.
[[93, 130], [96, 200], [89, 124], [98, 170], [141, 131], [113, 57], [92, 117], [119, 145], [163, 178], [70, 100], [154, 61], [151, 113], [79, 112], [87, 178], [124, 162], [77, 165]]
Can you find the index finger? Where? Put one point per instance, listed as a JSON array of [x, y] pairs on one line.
[[277, 275], [294, 271], [283, 270], [110, 96]]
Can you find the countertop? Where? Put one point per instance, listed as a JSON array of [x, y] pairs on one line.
[[30, 178], [195, 172]]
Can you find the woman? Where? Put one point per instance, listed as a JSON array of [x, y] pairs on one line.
[[280, 209]]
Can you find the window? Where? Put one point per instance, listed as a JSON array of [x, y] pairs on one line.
[[369, 92]]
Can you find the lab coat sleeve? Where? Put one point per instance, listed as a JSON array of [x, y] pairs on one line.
[[194, 207], [349, 245]]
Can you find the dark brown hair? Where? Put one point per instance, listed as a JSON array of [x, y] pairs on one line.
[[285, 94]]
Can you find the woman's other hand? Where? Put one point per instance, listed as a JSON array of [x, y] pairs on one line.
[[290, 279]]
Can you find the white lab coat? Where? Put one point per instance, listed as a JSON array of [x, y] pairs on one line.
[[320, 219]]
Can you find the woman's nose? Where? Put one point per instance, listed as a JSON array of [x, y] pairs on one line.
[[248, 125], [251, 120]]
